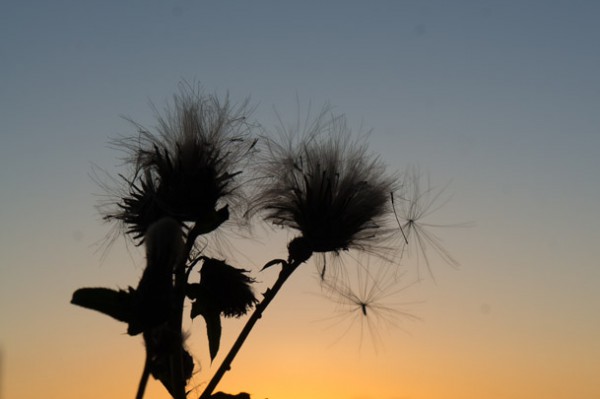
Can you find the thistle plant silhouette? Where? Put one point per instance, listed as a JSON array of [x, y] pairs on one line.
[[185, 182]]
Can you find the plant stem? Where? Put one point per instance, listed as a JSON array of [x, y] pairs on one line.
[[144, 378], [175, 325], [176, 320], [286, 272]]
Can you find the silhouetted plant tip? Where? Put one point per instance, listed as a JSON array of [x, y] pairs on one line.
[[202, 166]]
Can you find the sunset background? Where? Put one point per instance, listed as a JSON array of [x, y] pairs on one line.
[[498, 101]]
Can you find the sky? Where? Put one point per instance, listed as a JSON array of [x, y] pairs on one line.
[[496, 101]]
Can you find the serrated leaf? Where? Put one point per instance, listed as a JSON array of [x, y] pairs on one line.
[[114, 303]]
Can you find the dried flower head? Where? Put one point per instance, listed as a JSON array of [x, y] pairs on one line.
[[187, 170], [223, 288], [327, 187]]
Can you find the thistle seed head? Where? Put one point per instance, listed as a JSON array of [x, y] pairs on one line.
[[188, 169], [327, 187]]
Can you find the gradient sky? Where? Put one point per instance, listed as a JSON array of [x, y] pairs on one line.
[[498, 99]]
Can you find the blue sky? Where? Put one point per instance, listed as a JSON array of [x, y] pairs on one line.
[[499, 100]]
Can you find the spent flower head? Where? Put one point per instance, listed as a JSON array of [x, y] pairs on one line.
[[324, 184], [188, 168], [224, 288]]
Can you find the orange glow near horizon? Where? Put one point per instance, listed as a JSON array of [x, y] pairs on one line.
[[292, 354], [495, 345]]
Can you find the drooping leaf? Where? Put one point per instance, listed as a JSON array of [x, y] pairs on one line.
[[114, 303], [211, 315], [213, 331]]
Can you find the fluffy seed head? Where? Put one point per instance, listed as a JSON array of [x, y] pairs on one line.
[[188, 168], [327, 187]]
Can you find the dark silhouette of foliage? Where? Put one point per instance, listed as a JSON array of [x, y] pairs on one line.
[[186, 181], [114, 303], [223, 290]]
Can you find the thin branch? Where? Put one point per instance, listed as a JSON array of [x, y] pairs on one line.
[[286, 272]]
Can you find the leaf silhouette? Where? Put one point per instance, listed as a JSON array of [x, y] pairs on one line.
[[114, 303], [212, 318], [213, 331]]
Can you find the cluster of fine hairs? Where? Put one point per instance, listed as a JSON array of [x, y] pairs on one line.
[[327, 187], [188, 169], [205, 163]]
